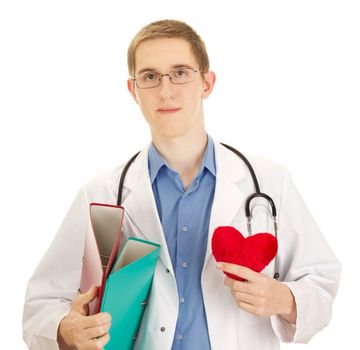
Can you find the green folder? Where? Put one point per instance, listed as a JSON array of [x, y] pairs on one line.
[[127, 289]]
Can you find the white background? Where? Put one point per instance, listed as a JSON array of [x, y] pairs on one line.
[[288, 87]]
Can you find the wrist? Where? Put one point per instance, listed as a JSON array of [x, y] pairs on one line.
[[290, 314], [62, 335]]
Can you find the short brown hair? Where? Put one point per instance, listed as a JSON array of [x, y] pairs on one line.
[[169, 29]]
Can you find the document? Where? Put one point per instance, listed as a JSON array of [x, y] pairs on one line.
[[124, 278], [101, 248]]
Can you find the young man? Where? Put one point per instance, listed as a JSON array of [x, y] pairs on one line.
[[177, 191]]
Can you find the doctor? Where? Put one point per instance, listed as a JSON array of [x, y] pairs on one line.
[[178, 190]]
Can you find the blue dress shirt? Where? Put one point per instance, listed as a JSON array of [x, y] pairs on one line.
[[185, 216]]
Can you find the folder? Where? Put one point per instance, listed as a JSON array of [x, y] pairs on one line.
[[127, 289], [124, 278], [101, 248]]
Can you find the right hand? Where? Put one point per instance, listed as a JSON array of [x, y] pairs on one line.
[[83, 332]]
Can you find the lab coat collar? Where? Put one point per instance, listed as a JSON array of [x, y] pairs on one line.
[[140, 205]]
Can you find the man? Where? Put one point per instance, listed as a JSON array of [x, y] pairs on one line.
[[177, 191]]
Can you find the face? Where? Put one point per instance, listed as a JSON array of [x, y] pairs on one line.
[[170, 110]]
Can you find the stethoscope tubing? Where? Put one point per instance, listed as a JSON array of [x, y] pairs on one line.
[[256, 194]]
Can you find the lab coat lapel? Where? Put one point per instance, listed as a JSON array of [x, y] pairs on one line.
[[140, 205], [229, 196]]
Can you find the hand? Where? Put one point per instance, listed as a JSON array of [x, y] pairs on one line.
[[259, 294], [81, 331]]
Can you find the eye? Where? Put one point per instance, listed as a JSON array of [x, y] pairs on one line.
[[180, 73], [149, 76]]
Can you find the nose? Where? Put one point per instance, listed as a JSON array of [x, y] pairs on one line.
[[166, 87]]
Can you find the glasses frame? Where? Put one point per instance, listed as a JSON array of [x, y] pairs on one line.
[[170, 78]]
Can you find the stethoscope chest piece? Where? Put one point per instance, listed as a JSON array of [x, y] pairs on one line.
[[272, 215]]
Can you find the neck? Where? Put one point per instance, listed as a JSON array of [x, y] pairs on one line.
[[183, 153]]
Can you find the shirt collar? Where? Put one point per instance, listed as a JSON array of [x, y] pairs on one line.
[[156, 162], [209, 157]]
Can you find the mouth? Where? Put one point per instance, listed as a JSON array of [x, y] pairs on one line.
[[168, 110]]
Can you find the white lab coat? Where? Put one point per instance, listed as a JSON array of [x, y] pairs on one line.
[[306, 263]]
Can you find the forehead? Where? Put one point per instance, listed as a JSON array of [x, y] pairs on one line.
[[164, 54]]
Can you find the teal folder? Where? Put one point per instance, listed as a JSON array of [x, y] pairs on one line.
[[127, 289]]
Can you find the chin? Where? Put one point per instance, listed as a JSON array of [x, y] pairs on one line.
[[170, 133]]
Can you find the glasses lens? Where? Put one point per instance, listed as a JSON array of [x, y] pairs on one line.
[[182, 75], [148, 80]]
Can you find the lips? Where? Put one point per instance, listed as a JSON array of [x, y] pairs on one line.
[[168, 110]]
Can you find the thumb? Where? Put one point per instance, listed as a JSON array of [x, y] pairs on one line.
[[80, 304]]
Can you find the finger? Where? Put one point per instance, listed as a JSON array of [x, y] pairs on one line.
[[244, 298], [97, 332], [104, 339], [97, 320], [229, 282], [249, 288], [98, 343], [82, 300], [240, 271], [248, 308]]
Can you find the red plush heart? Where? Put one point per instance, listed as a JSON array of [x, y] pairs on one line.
[[254, 252]]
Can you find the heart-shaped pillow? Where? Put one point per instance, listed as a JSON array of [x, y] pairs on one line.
[[254, 252]]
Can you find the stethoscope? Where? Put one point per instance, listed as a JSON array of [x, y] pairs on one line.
[[256, 194]]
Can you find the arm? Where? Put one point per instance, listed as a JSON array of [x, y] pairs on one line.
[[300, 305], [307, 266], [55, 281]]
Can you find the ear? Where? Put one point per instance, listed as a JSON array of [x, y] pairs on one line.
[[209, 82], [131, 88]]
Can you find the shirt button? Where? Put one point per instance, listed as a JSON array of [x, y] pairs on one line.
[[162, 329], [184, 264], [180, 337], [182, 300], [185, 228], [167, 270]]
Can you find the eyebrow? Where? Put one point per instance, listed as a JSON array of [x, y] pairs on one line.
[[176, 66]]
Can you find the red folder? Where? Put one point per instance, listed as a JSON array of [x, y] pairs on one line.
[[101, 248]]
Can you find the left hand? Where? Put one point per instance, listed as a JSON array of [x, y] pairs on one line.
[[260, 295]]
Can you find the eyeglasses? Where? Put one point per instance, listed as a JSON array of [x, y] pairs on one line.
[[148, 80]]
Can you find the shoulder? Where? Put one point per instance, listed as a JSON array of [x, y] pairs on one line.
[[260, 163], [266, 165], [104, 186], [269, 173]]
